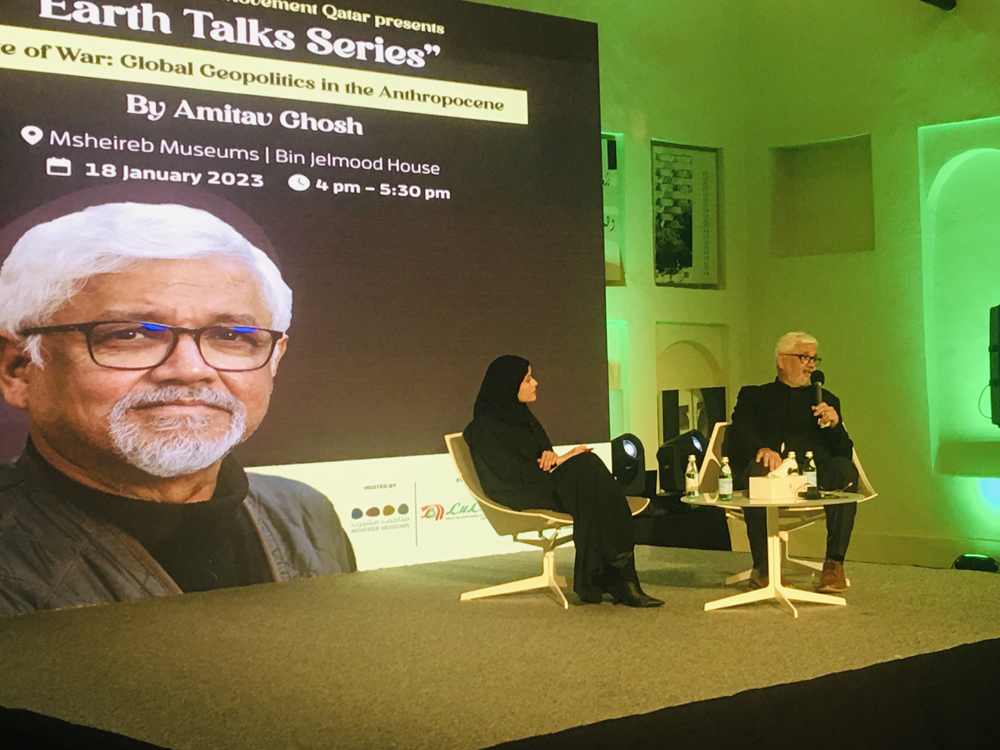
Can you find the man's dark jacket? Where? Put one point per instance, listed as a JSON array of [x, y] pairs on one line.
[[54, 554], [769, 415]]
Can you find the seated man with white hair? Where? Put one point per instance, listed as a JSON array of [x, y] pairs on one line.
[[773, 419], [142, 340]]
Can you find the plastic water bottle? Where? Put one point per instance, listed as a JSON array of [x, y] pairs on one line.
[[794, 468], [691, 478], [725, 480], [810, 471]]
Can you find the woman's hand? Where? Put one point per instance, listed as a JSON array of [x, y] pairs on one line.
[[575, 452], [548, 461]]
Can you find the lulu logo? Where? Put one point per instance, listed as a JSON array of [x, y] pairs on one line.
[[458, 510]]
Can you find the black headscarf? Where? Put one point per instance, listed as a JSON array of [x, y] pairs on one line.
[[506, 440], [498, 394]]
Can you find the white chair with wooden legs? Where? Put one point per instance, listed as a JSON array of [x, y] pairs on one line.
[[508, 522], [789, 519]]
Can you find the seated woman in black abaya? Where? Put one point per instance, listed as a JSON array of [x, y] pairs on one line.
[[518, 468]]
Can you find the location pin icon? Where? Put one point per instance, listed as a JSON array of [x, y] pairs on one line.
[[32, 134]]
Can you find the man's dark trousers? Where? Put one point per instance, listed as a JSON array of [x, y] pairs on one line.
[[834, 474]]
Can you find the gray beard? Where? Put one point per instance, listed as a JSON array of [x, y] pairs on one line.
[[176, 449]]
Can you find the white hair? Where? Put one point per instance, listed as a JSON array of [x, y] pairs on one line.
[[175, 449], [51, 262], [792, 339]]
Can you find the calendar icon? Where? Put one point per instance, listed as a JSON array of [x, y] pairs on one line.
[[58, 167]]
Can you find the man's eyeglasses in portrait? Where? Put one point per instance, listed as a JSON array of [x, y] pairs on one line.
[[130, 345]]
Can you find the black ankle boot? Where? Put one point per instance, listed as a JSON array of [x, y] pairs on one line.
[[630, 594]]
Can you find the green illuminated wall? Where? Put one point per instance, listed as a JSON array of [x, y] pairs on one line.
[[960, 175], [902, 321]]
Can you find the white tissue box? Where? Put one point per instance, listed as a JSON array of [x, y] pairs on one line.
[[775, 488]]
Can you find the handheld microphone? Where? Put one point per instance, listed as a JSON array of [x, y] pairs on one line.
[[817, 378]]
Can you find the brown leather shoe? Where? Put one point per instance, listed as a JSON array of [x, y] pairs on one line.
[[759, 581], [832, 580]]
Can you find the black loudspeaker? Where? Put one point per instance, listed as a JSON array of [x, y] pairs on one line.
[[673, 455], [995, 364], [628, 464]]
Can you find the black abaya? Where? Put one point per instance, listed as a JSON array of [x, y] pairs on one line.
[[506, 442]]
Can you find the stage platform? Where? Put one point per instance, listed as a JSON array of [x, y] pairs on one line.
[[392, 659]]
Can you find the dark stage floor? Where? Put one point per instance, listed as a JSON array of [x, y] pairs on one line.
[[393, 659]]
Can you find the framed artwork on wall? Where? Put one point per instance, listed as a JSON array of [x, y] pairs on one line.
[[614, 209], [685, 215]]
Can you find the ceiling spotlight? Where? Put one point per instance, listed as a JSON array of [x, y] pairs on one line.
[[942, 4]]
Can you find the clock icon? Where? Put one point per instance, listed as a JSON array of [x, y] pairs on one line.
[[299, 182]]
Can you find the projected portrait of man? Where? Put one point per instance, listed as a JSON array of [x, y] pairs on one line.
[[142, 340]]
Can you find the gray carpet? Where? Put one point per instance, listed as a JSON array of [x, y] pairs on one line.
[[393, 659]]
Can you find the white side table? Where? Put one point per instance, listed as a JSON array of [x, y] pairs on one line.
[[774, 590]]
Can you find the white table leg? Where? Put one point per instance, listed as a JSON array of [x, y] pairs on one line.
[[737, 599], [774, 562], [774, 590]]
